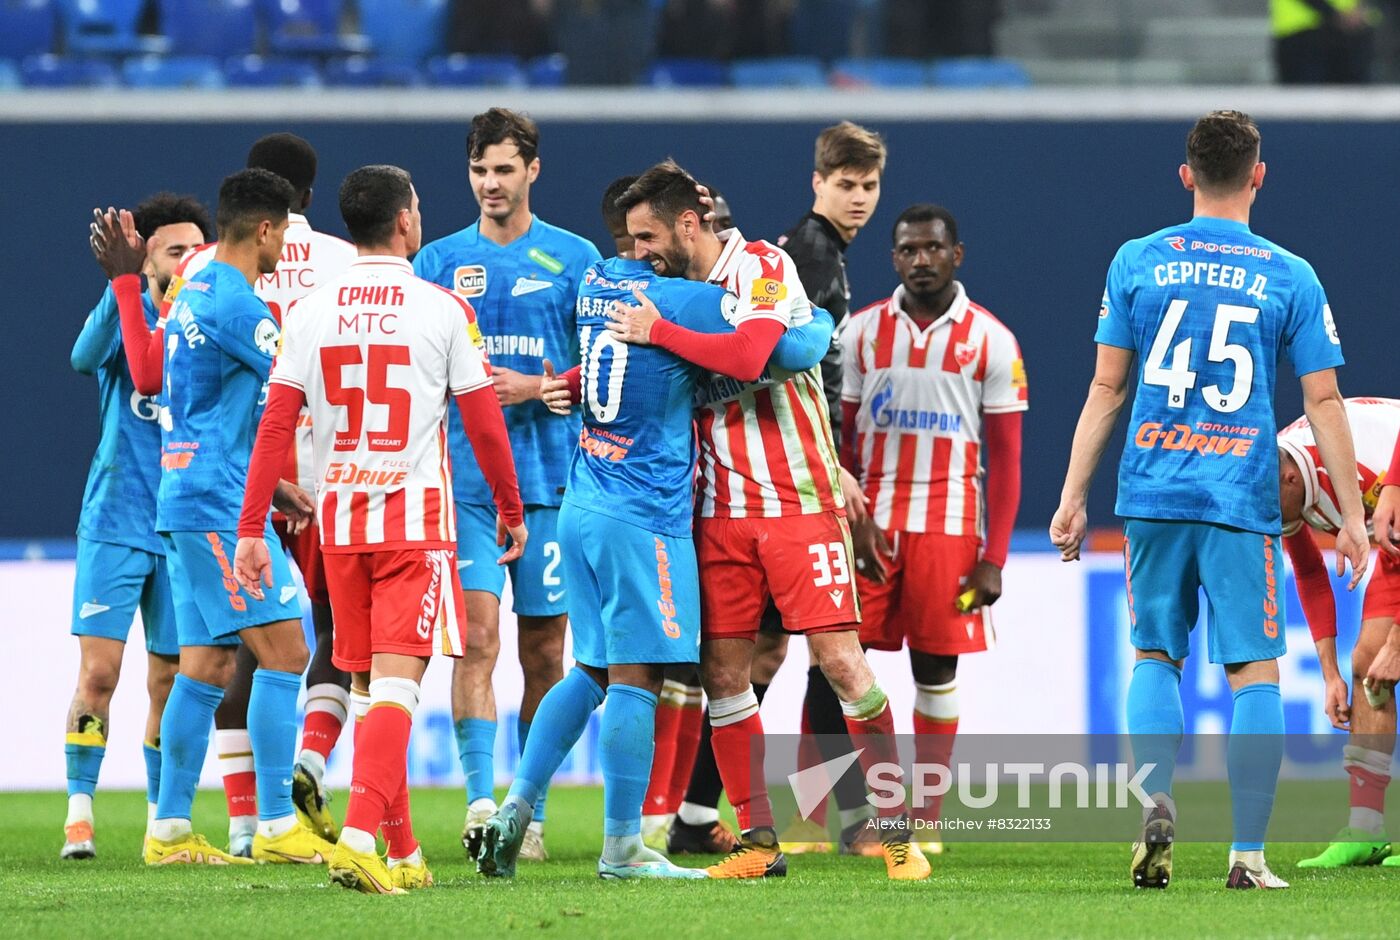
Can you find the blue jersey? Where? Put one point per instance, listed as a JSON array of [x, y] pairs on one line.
[[220, 340], [1209, 307], [523, 294], [119, 501], [636, 454]]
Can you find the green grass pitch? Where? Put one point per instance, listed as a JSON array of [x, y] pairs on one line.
[[977, 890]]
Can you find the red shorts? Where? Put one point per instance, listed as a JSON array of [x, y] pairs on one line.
[[918, 601], [1383, 590], [407, 601], [803, 563], [305, 550]]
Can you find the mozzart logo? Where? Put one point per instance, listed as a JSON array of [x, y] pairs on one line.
[[1101, 785]]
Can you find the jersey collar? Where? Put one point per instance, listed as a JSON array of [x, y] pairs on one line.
[[1215, 222], [366, 261], [733, 241], [955, 312], [297, 219]]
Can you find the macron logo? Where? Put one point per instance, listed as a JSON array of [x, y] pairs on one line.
[[90, 609], [528, 285], [812, 786], [836, 596]]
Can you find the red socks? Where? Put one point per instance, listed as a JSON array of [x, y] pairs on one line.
[[668, 720], [875, 736], [738, 746], [687, 748], [327, 706], [933, 744], [380, 767], [398, 825]]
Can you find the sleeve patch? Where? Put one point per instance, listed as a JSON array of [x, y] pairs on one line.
[[767, 292]]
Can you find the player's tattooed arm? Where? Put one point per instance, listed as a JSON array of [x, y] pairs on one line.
[[1107, 393]]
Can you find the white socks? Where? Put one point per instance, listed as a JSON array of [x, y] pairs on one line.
[[693, 814], [79, 808], [272, 828]]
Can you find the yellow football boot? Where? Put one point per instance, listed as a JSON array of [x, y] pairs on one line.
[[297, 846], [362, 871], [758, 855], [803, 836], [410, 875], [905, 862], [189, 849]]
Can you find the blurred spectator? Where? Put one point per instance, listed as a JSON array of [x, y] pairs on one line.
[[1323, 42], [761, 28], [697, 29], [520, 27], [607, 42], [923, 29]]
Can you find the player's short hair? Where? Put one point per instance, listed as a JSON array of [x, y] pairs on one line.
[[287, 155], [1222, 149], [247, 198], [613, 216], [371, 199], [171, 209], [498, 125], [667, 188], [925, 212], [848, 146]]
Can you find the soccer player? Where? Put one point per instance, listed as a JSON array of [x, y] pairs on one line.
[[377, 354], [614, 218], [309, 259], [521, 274], [848, 163], [771, 519], [932, 382], [635, 603], [121, 563], [1210, 306], [1308, 501], [220, 348]]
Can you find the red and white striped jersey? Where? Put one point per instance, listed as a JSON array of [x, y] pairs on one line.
[[922, 392], [309, 259], [379, 353], [1375, 424], [765, 446]]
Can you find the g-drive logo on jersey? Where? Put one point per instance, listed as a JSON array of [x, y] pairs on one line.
[[886, 417], [469, 280]]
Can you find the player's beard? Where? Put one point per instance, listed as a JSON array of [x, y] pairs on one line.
[[674, 263]]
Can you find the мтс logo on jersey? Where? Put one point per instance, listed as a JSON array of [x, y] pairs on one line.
[[470, 280], [1176, 241]]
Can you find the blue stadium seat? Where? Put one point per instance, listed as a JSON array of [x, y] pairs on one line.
[[156, 71], [547, 71], [879, 73], [501, 71], [406, 30], [51, 71], [308, 27], [106, 27], [979, 73], [792, 72], [27, 27], [254, 71], [687, 73], [221, 28], [364, 72], [9, 75]]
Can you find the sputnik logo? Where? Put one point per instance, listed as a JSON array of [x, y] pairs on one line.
[[813, 785]]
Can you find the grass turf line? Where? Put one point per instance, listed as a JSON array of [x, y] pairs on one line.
[[986, 889]]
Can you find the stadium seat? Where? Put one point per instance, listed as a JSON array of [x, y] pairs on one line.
[[106, 27], [27, 27], [221, 28], [405, 30], [155, 71], [979, 73], [51, 71], [9, 75], [254, 71], [364, 72], [687, 73], [477, 70], [879, 73], [309, 27], [547, 71], [778, 73]]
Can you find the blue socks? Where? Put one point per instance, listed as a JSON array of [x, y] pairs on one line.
[[624, 754], [1155, 721], [559, 723], [522, 732], [1253, 756], [83, 752], [272, 729], [476, 748], [152, 754], [184, 740]]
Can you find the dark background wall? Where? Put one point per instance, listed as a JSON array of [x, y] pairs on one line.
[[1042, 206]]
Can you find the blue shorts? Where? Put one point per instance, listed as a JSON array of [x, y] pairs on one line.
[[210, 607], [112, 582], [537, 579], [1169, 564], [635, 595]]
